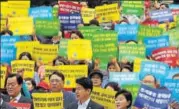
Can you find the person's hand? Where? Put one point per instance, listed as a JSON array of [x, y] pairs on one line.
[[113, 60]]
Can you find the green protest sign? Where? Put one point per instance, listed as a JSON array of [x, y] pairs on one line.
[[133, 88], [104, 46], [63, 47], [133, 7], [88, 30], [173, 36], [47, 27], [131, 51], [148, 31]]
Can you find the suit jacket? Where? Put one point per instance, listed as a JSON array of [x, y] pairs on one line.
[[68, 98], [6, 106], [21, 100], [91, 105]]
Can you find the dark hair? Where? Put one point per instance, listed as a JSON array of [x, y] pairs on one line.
[[132, 41], [25, 54], [126, 94], [59, 74], [32, 81], [114, 85], [94, 22], [85, 82], [175, 75], [61, 59], [18, 78], [78, 33], [127, 66], [6, 31]]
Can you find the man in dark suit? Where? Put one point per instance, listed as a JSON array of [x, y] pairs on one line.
[[3, 104], [57, 84], [84, 87], [13, 86]]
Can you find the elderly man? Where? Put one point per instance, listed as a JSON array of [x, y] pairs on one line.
[[57, 85], [13, 86]]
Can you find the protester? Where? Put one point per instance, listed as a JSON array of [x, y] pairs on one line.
[[84, 88], [112, 86], [13, 85], [123, 99], [30, 84], [57, 80], [96, 78]]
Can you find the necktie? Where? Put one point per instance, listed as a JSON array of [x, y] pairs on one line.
[[13, 100]]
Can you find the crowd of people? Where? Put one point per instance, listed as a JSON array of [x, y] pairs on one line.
[[20, 89]]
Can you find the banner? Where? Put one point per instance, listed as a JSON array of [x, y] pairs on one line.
[[153, 43], [20, 105], [172, 73], [104, 97], [124, 78], [104, 45], [87, 31], [158, 69], [62, 48], [79, 49], [162, 16], [169, 55], [152, 98], [3, 76], [148, 31], [173, 86], [48, 100], [19, 4], [107, 13], [45, 53], [8, 50], [47, 27], [69, 7], [70, 21], [87, 14], [27, 66], [71, 73], [41, 12], [18, 25], [133, 7], [126, 32], [131, 51]]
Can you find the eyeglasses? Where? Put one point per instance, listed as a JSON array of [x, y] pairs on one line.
[[11, 85]]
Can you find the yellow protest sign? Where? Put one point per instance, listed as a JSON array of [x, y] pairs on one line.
[[3, 24], [18, 12], [26, 65], [71, 73], [107, 13], [49, 70], [48, 100], [25, 46], [79, 49], [104, 97], [137, 63], [3, 76], [4, 9], [87, 14], [21, 25], [19, 4], [45, 53]]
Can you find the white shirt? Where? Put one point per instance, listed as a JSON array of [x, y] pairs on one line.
[[83, 105], [17, 98], [1, 100]]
